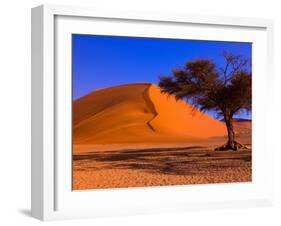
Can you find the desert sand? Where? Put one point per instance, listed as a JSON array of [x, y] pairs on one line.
[[134, 136]]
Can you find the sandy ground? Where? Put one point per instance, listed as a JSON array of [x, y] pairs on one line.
[[160, 166]]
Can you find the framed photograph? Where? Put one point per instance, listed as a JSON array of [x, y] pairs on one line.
[[141, 112]]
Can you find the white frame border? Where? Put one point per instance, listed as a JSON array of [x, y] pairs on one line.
[[43, 88]]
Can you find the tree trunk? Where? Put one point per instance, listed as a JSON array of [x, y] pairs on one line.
[[231, 144]]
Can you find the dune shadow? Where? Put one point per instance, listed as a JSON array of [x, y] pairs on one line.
[[192, 160]]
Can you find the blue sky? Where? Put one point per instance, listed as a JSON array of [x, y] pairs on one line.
[[104, 61]]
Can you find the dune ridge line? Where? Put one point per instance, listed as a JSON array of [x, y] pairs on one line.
[[150, 106]]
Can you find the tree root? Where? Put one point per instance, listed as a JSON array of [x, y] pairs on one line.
[[235, 146]]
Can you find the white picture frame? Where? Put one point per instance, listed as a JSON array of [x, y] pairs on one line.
[[52, 198]]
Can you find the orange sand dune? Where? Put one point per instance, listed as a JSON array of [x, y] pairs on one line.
[[137, 114]]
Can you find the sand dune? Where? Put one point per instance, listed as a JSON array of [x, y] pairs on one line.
[[179, 119], [138, 113]]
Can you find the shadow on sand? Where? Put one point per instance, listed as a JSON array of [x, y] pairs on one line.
[[174, 161]]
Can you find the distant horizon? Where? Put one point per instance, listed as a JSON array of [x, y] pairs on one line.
[[100, 62]]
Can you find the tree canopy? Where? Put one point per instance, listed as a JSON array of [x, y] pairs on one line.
[[206, 86]]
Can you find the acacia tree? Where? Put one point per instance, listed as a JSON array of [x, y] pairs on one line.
[[226, 90]]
